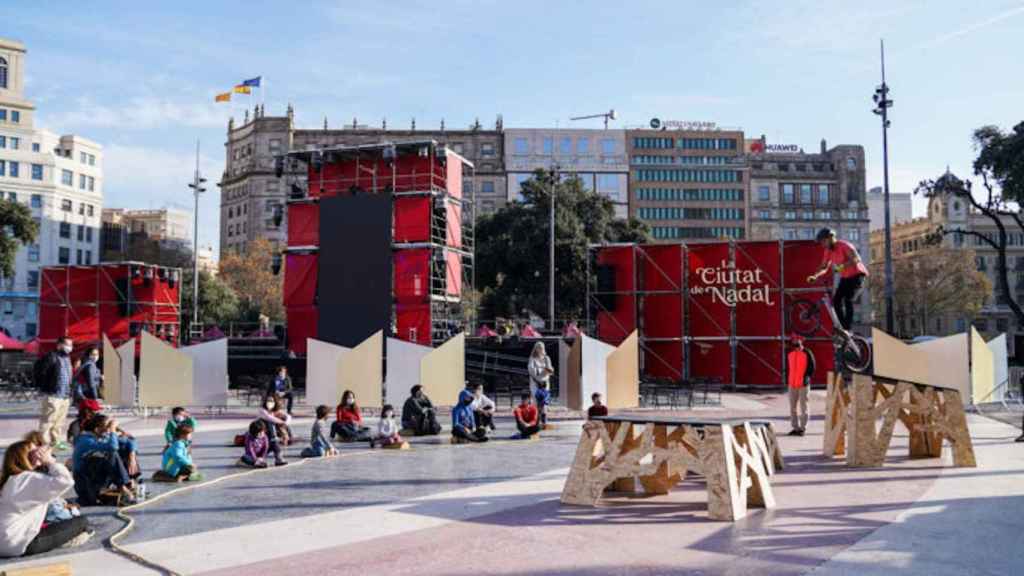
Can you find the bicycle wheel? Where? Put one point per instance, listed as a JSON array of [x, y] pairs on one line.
[[857, 354], [804, 317]]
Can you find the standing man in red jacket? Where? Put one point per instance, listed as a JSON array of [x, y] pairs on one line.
[[799, 368]]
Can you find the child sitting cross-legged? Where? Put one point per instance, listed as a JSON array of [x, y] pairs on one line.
[[177, 462], [320, 445], [387, 428], [258, 446], [179, 416]]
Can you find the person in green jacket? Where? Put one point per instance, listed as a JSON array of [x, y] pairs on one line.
[[177, 462], [179, 417]]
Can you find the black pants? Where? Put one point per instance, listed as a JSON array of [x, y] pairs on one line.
[[478, 435], [425, 425], [525, 430], [349, 432], [484, 419], [99, 470], [56, 535], [842, 300]]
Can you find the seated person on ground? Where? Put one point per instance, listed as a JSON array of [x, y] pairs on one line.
[[75, 428], [258, 446], [278, 432], [179, 417], [177, 462], [418, 414], [98, 464], [526, 415], [31, 479], [319, 444], [483, 407], [463, 424], [597, 408], [59, 509], [387, 428], [349, 423], [543, 398]]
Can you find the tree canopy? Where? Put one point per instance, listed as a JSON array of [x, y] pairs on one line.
[[17, 227], [218, 302], [512, 247], [250, 275]]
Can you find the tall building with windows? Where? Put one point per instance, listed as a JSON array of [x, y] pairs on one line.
[[597, 157], [688, 185], [251, 191], [60, 178], [900, 208]]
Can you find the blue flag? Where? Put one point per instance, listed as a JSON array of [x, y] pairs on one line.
[[252, 81]]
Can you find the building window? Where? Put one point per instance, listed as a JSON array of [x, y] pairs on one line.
[[12, 169], [33, 253], [92, 184], [92, 159], [37, 171], [582, 146], [764, 214], [853, 234], [3, 168], [790, 215], [33, 279], [82, 157], [851, 193], [565, 146], [487, 187], [274, 144], [30, 329], [3, 114], [487, 149], [37, 201], [805, 193], [522, 146], [851, 163], [15, 116], [549, 145], [763, 193], [88, 257], [78, 256], [88, 234], [3, 73], [65, 230], [15, 143], [64, 255], [67, 178], [806, 233], [822, 193], [65, 205], [3, 141], [787, 194], [35, 146], [81, 233], [90, 211], [608, 146]]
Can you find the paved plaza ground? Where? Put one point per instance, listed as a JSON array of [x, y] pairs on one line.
[[440, 509]]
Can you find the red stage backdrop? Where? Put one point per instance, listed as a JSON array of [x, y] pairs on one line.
[[725, 318]]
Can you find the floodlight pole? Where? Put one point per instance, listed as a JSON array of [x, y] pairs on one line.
[[197, 189]]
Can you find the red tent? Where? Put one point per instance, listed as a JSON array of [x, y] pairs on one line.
[[486, 332], [528, 331], [8, 343], [32, 347]]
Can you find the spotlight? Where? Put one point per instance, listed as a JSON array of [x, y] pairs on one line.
[[275, 263], [278, 215], [279, 166], [297, 193]]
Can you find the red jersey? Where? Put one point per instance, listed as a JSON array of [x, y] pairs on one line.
[[526, 413], [842, 253]]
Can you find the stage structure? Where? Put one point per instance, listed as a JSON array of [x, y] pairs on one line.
[[119, 300], [712, 310], [380, 237]]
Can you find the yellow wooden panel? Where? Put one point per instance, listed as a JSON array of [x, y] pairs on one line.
[[623, 378], [982, 369], [165, 377], [573, 370], [443, 372], [111, 374], [360, 371]]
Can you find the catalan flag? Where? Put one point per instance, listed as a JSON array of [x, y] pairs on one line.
[[225, 97], [252, 82], [242, 89]]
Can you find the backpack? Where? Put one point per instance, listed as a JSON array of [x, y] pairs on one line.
[[42, 371]]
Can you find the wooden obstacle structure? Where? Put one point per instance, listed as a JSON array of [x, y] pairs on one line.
[[403, 445], [930, 414], [618, 451], [60, 569]]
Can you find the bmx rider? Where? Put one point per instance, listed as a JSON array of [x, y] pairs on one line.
[[844, 257]]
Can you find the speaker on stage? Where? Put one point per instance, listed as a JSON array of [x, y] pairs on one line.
[[605, 285]]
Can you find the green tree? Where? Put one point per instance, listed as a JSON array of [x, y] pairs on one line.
[[250, 275], [1000, 165], [512, 247], [218, 302], [16, 228]]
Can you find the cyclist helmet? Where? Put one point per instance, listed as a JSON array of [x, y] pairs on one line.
[[825, 233]]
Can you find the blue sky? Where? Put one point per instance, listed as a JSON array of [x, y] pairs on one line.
[[141, 80]]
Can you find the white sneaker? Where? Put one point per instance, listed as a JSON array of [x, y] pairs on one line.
[[79, 540]]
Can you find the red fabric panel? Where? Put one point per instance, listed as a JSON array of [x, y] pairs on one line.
[[801, 259], [758, 286], [413, 323], [710, 359], [300, 279], [52, 320], [416, 173], [613, 326], [412, 275], [661, 269], [83, 324], [663, 360], [53, 286], [759, 363], [302, 324], [112, 323], [453, 271], [707, 306], [453, 235], [453, 179], [412, 218], [108, 277], [303, 224], [82, 285]]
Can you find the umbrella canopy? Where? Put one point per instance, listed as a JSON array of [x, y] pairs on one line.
[[8, 343]]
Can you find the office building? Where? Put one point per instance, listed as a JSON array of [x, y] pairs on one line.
[[900, 208]]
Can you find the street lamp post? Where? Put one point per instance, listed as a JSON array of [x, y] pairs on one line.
[[197, 189], [551, 246], [882, 105]]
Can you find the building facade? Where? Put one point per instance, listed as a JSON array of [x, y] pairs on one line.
[[251, 191], [597, 157], [689, 184], [952, 213], [900, 208], [60, 178]]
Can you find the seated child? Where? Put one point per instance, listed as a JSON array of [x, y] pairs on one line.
[[177, 462], [320, 445], [543, 397], [387, 428], [258, 445], [597, 409], [179, 416], [463, 423], [75, 428], [483, 407], [526, 417]]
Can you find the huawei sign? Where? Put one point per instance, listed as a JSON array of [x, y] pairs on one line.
[[759, 147]]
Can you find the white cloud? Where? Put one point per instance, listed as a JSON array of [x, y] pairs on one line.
[[140, 113], [973, 27]]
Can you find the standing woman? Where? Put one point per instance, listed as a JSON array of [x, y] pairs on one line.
[[30, 480], [539, 367], [88, 380]]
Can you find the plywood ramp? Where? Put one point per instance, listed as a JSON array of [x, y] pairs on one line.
[[111, 374], [403, 372], [209, 372], [361, 371], [443, 371], [165, 374], [623, 380], [126, 353], [982, 369]]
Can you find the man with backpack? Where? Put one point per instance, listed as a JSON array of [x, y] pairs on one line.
[[53, 377]]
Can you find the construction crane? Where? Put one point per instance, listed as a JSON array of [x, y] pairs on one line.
[[609, 115]]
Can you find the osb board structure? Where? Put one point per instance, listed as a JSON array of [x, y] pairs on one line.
[[443, 371], [403, 371], [165, 374], [1000, 368], [111, 374], [661, 455], [126, 355], [623, 378], [982, 369], [930, 414], [332, 369], [941, 362], [209, 372]]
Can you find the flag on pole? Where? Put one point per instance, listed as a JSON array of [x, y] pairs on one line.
[[225, 97], [252, 82], [242, 89]]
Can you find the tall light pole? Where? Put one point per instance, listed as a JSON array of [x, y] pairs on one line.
[[551, 245], [197, 189], [882, 105]]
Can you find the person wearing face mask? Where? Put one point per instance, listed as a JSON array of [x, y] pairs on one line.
[[88, 380], [274, 420], [53, 377], [349, 423], [179, 417]]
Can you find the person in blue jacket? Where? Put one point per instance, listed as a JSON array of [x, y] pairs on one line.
[[463, 422], [97, 462], [177, 462]]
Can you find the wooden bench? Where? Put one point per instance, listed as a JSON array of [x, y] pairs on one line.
[[618, 451]]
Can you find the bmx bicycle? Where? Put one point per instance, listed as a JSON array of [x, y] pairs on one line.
[[805, 318]]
